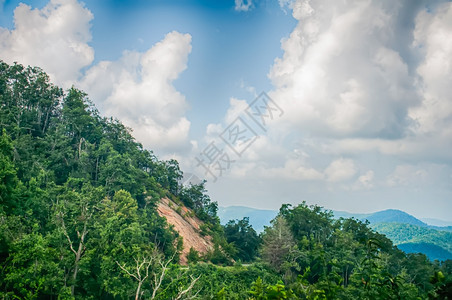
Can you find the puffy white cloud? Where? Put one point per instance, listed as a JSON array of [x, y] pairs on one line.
[[138, 89], [340, 170], [369, 75], [430, 121], [54, 38], [342, 73], [356, 77], [433, 37], [293, 169], [243, 5], [236, 108]]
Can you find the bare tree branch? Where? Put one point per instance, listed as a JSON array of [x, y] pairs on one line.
[[125, 270], [158, 282], [81, 237], [60, 215], [189, 288], [144, 262]]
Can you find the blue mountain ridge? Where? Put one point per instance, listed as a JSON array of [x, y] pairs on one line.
[[432, 251], [260, 218]]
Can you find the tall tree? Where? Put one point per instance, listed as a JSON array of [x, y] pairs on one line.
[[244, 237], [277, 241], [74, 217], [9, 182]]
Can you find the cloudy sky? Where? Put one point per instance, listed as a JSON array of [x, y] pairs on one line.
[[357, 110]]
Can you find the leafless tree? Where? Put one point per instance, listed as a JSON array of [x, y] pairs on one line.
[[154, 267], [86, 214], [140, 273]]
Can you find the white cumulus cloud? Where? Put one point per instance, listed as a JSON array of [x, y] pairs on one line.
[[54, 38], [340, 170], [342, 73], [138, 89], [369, 75], [357, 77], [433, 36]]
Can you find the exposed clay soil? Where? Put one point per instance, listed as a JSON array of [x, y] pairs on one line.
[[188, 227]]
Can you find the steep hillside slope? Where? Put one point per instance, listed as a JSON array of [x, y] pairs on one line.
[[187, 225]]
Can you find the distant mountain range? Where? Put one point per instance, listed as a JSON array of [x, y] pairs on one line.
[[436, 222], [394, 216], [258, 217], [384, 216], [432, 237]]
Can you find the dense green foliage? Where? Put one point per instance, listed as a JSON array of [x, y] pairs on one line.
[[78, 220], [244, 238], [78, 196], [319, 257]]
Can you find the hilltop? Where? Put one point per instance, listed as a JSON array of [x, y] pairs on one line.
[[86, 213], [85, 210]]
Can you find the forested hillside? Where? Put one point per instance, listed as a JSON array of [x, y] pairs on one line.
[[79, 219], [420, 239], [78, 198]]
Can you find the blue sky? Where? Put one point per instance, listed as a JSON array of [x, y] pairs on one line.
[[232, 47], [363, 89]]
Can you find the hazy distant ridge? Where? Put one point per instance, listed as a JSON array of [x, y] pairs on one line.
[[258, 217], [405, 230]]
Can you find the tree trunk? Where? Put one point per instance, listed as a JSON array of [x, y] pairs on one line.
[[78, 255], [137, 295]]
